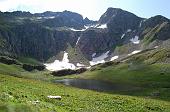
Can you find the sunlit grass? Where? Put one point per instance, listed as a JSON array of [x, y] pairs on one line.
[[15, 92]]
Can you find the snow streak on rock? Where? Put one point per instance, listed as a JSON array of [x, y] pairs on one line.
[[99, 59], [135, 40], [134, 52], [114, 58]]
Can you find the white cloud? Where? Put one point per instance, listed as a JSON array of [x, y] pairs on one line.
[[89, 8]]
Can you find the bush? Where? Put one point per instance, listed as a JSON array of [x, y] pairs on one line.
[[28, 67], [8, 61], [68, 72], [39, 67]]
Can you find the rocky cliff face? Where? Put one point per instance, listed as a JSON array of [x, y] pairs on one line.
[[35, 41], [118, 20], [117, 34]]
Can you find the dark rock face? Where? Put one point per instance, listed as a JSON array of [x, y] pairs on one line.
[[164, 33], [95, 41], [68, 72], [153, 21], [38, 42], [154, 31], [19, 14], [66, 19], [118, 20]]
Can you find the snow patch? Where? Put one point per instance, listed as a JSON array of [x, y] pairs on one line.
[[103, 26], [93, 55], [78, 40], [86, 27], [39, 17], [76, 29], [134, 52], [35, 102], [60, 65], [54, 97], [80, 65], [51, 17], [105, 15], [123, 36], [114, 58], [91, 26], [113, 16], [65, 57], [99, 59], [96, 25], [129, 30], [156, 47], [135, 40], [140, 23]]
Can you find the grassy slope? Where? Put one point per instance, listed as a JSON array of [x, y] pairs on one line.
[[144, 77], [28, 60], [17, 71], [16, 93], [146, 81]]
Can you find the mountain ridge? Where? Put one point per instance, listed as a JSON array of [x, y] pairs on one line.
[[117, 33]]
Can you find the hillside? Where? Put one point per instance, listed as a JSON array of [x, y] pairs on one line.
[[147, 74]]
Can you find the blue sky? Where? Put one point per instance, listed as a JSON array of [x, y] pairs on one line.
[[92, 9]]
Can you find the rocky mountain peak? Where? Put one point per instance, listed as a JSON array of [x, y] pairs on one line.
[[156, 20], [114, 13], [71, 14], [19, 14], [87, 21], [110, 13], [47, 14], [119, 21]]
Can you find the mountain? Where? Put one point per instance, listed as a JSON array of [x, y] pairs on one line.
[[50, 36]]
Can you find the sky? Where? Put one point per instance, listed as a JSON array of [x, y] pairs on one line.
[[92, 9]]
